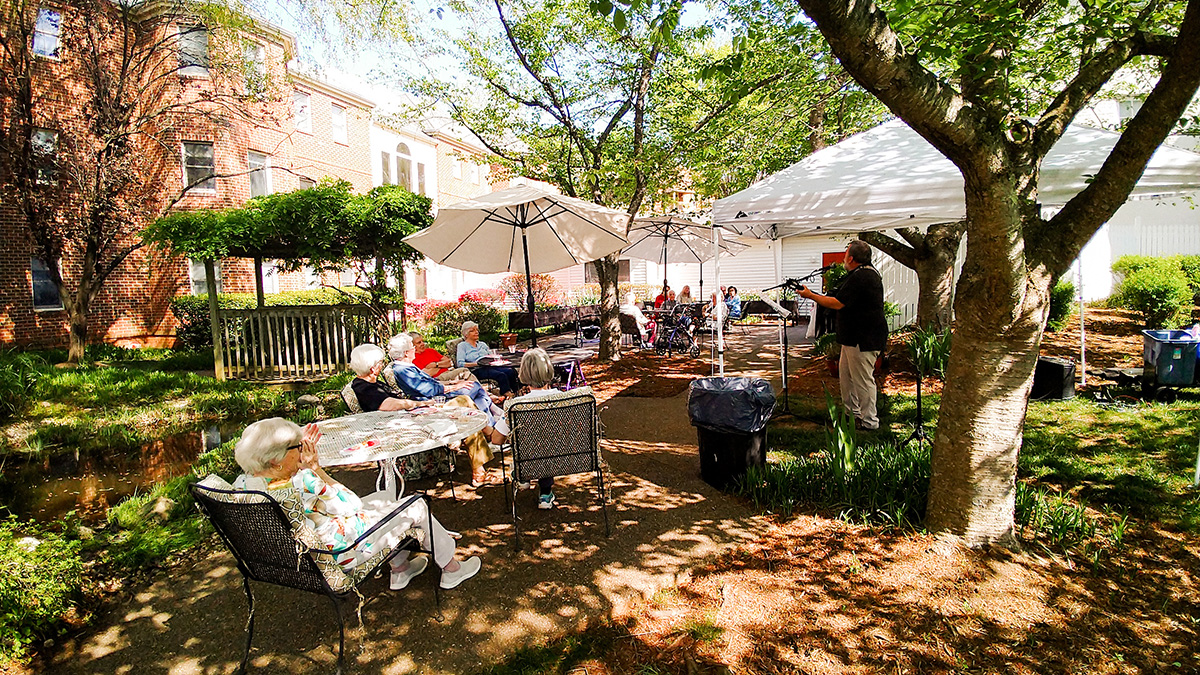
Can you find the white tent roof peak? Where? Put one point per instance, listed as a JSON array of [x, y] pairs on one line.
[[890, 177]]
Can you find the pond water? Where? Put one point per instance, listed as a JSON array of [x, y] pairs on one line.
[[47, 488]]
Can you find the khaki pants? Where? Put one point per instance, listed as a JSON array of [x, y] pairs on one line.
[[477, 447], [856, 375], [457, 374]]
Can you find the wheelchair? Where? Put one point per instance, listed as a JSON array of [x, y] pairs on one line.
[[677, 334]]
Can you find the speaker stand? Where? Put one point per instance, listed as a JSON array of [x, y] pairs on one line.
[[918, 433]]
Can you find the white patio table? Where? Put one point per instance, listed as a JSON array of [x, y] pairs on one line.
[[385, 436]]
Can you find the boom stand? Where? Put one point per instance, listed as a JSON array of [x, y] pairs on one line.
[[918, 434]]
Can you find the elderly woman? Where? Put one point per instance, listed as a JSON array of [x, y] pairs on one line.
[[434, 364], [419, 386], [274, 454], [685, 296], [538, 372], [471, 349], [367, 361], [648, 328]]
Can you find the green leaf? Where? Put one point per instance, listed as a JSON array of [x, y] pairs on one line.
[[619, 20]]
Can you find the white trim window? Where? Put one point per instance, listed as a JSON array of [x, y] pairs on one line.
[[473, 173], [44, 143], [193, 51], [199, 279], [421, 180], [47, 33], [45, 293], [198, 166], [337, 124], [456, 168], [307, 183], [302, 111], [404, 166], [259, 164], [256, 68]]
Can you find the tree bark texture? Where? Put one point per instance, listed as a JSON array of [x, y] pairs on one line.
[[607, 270], [931, 255]]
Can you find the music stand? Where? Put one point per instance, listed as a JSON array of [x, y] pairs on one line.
[[784, 314]]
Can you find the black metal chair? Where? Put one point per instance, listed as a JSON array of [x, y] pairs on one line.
[[629, 327], [554, 435], [267, 548]]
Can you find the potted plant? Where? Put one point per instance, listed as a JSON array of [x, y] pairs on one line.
[[827, 345], [508, 340]]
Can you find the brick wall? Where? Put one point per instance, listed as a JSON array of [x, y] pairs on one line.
[[133, 307]]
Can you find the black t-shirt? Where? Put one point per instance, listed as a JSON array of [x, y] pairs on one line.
[[370, 395], [861, 322]]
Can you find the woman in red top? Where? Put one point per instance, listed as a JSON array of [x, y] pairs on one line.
[[662, 297]]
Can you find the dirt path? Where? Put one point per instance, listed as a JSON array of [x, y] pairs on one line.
[[665, 522]]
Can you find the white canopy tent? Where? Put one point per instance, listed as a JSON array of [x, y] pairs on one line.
[[890, 177]]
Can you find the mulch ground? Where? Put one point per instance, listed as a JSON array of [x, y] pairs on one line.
[[824, 597], [642, 373]]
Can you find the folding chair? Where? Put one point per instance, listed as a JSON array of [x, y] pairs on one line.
[[553, 435], [272, 542]]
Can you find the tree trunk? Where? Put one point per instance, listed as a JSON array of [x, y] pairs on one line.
[[931, 255], [607, 270], [77, 320], [1000, 309], [935, 283]]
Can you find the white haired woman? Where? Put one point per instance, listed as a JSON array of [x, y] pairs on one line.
[[367, 361], [471, 349], [275, 453], [537, 371]]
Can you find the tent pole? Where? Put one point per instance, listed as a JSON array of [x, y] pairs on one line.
[[529, 287], [716, 315], [1082, 338]]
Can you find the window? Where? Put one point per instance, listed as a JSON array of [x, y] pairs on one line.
[[44, 144], [46, 33], [403, 166], [193, 51], [456, 168], [590, 277], [337, 124], [385, 168], [260, 173], [302, 111], [198, 167], [421, 181], [473, 173], [200, 279], [306, 183], [271, 272], [45, 293], [256, 68], [312, 277]]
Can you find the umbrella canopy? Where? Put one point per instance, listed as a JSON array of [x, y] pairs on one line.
[[492, 233], [521, 229], [891, 177], [671, 239]]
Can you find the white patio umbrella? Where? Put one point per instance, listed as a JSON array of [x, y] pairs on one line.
[[672, 239], [522, 229]]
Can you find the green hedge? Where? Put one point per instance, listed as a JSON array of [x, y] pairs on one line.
[[1062, 306], [448, 319], [1160, 294], [195, 332], [39, 588]]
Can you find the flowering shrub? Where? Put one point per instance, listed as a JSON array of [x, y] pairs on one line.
[[425, 310], [449, 317], [546, 292], [490, 296]]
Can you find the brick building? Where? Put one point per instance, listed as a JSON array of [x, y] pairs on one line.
[[288, 131]]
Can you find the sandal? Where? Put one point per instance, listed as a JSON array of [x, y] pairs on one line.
[[478, 477]]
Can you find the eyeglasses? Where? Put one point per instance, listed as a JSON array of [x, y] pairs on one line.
[[295, 447]]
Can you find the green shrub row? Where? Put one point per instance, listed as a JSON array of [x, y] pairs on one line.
[[1157, 289], [448, 319], [195, 331]]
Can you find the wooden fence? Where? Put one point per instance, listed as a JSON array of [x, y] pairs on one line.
[[290, 343]]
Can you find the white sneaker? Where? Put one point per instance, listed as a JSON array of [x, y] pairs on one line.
[[400, 579], [466, 569]]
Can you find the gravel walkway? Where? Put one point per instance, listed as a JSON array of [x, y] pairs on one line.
[[665, 522]]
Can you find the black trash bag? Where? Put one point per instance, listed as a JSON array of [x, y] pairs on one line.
[[731, 404]]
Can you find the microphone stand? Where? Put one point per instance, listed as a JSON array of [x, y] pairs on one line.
[[794, 285]]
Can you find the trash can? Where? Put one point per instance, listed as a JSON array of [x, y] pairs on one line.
[[730, 415], [1169, 357]]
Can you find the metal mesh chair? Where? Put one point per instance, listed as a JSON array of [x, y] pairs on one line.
[[554, 435], [629, 327], [264, 542]]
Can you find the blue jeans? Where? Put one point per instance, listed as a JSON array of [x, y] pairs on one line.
[[506, 377]]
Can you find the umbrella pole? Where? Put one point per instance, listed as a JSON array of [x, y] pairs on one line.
[[529, 288], [716, 315]]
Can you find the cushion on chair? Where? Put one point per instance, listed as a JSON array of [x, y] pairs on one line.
[[389, 379], [350, 398], [452, 349]]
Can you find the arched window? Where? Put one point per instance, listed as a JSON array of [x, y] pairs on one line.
[[404, 165]]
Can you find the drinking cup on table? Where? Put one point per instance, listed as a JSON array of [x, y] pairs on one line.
[[512, 349], [438, 400]]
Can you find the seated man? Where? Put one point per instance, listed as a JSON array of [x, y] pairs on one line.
[[435, 364], [733, 303], [367, 361], [645, 326]]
